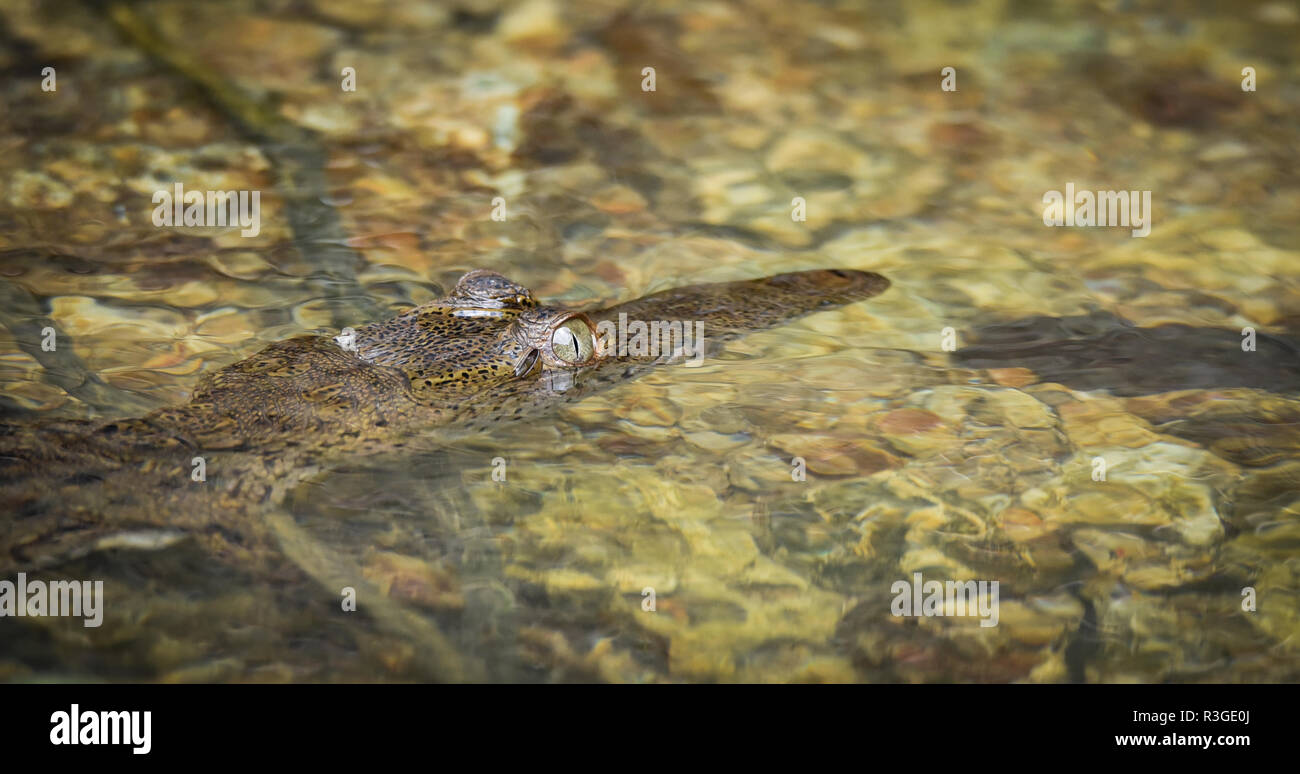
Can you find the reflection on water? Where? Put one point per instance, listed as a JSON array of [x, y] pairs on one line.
[[1097, 439]]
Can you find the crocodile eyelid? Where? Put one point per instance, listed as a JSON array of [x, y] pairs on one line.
[[527, 364]]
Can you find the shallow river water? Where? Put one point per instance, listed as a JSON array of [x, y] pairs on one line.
[[1104, 423]]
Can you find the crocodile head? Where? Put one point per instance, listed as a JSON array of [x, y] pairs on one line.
[[487, 331], [489, 338]]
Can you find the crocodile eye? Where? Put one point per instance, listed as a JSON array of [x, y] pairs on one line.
[[572, 342]]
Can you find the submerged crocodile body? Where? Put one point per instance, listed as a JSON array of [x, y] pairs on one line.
[[486, 353]]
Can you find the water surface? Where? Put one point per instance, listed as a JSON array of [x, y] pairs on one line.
[[1072, 344]]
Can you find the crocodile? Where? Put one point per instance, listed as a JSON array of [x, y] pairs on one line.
[[215, 469]]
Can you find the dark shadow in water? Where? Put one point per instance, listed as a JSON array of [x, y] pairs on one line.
[[1101, 351], [295, 152], [27, 321]]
